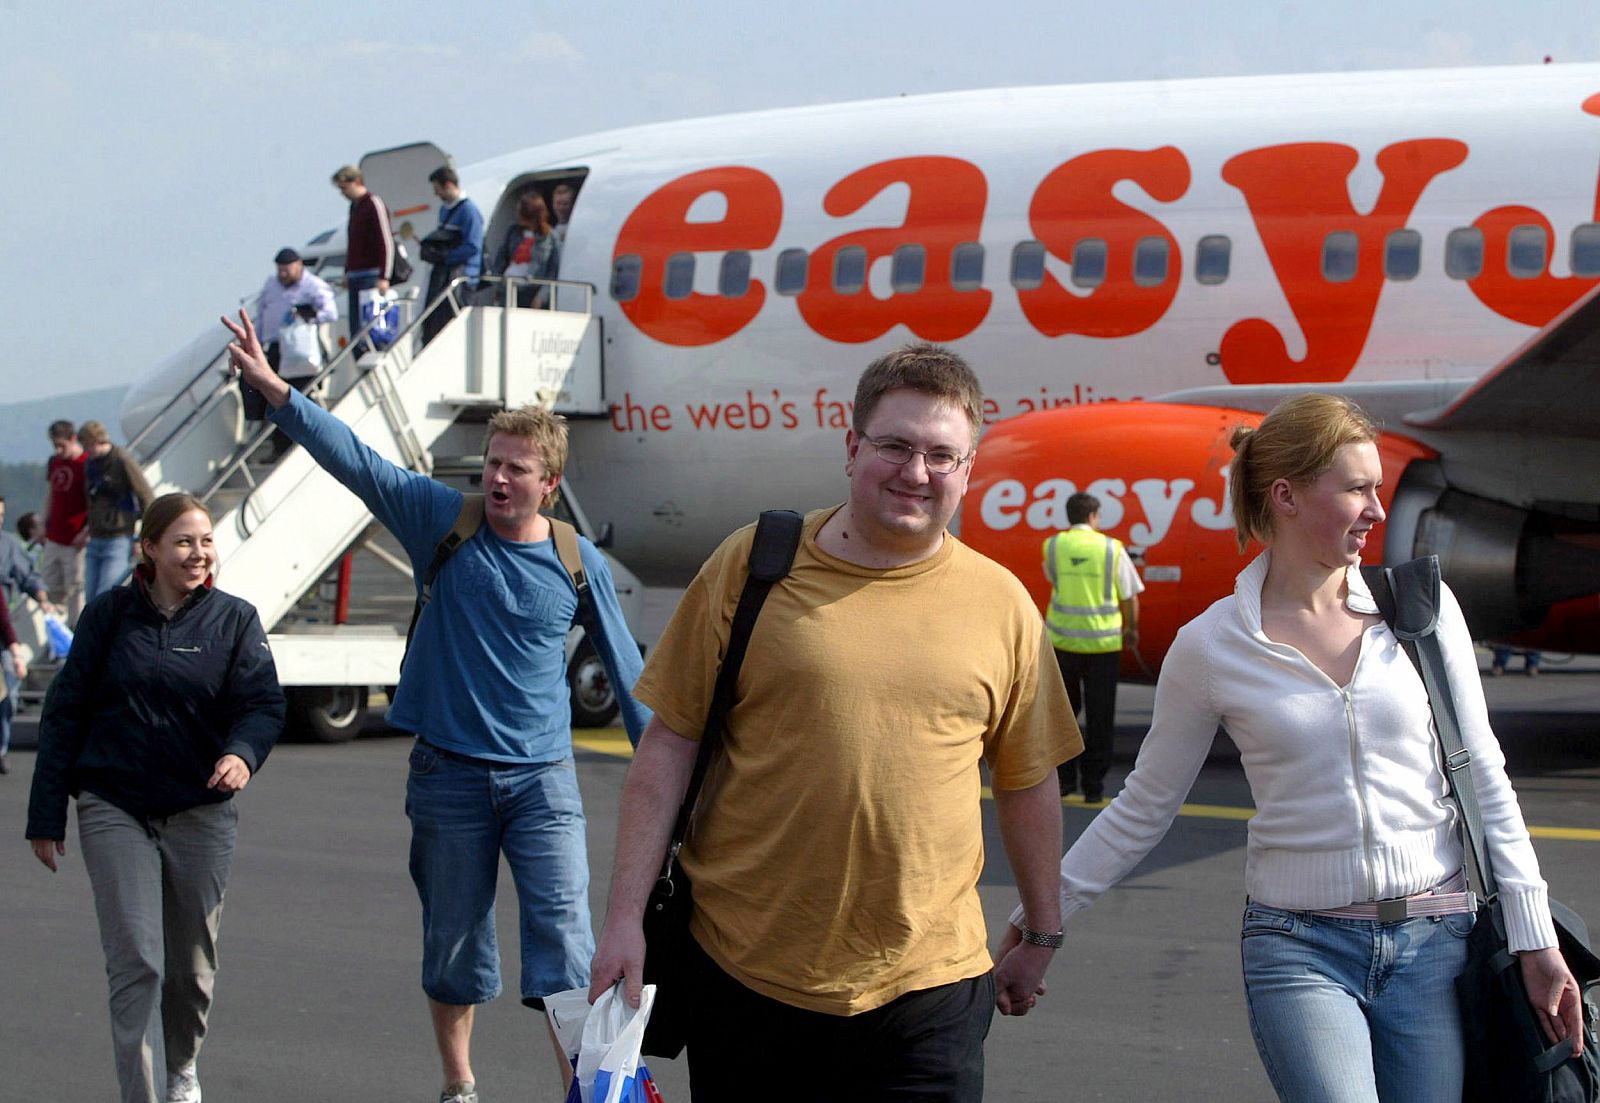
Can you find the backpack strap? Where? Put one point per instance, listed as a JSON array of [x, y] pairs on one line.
[[468, 520], [771, 555], [1408, 598], [566, 541]]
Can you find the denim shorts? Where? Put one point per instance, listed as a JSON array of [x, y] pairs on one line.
[[1348, 1010], [464, 814]]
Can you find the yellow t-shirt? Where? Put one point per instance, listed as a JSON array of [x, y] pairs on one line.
[[837, 843]]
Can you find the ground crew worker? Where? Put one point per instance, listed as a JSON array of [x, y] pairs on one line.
[[1094, 614]]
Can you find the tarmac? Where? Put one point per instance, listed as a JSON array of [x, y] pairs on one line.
[[318, 994]]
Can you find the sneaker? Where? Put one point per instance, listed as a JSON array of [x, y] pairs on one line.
[[183, 1086], [462, 1091]]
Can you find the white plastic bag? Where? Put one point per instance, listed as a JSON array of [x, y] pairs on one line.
[[299, 349], [603, 1043]]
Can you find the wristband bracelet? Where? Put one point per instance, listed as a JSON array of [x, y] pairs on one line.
[[1039, 938]]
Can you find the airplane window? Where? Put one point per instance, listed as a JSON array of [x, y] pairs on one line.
[[1463, 253], [625, 277], [910, 262], [1402, 255], [850, 269], [966, 266], [1212, 256], [1027, 265], [1150, 261], [1586, 250], [790, 278], [1526, 251], [680, 275], [1339, 255], [1089, 262], [734, 279]]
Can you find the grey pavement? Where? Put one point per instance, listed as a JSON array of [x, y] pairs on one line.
[[318, 994]]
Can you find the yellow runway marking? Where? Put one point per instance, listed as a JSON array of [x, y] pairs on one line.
[[613, 742]]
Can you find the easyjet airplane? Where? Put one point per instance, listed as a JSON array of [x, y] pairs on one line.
[[1133, 269]]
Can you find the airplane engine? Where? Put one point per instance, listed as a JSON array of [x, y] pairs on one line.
[[1160, 472], [1517, 572]]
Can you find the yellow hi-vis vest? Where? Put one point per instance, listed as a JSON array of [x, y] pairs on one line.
[[1084, 614]]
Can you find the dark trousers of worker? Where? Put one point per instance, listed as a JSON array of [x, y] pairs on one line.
[[1092, 687], [925, 1045]]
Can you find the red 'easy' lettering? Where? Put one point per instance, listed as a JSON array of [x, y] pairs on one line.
[[1532, 301], [1536, 301], [659, 227], [1075, 202], [1297, 195], [945, 209]]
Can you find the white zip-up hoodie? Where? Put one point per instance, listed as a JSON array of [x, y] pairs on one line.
[[1351, 799]]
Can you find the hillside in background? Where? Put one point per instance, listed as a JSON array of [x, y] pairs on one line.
[[23, 425], [22, 486]]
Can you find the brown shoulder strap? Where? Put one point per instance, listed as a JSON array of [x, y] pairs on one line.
[[468, 519], [566, 538]]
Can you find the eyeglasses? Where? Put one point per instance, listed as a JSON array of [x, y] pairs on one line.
[[940, 461]]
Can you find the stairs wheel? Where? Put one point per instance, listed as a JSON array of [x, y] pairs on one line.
[[327, 714]]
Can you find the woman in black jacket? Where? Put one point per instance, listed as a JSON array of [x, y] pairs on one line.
[[167, 705]]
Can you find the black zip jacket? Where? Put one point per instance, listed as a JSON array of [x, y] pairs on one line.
[[145, 706]]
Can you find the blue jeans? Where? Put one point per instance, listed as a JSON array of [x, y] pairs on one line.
[[8, 707], [1354, 1010], [105, 564], [357, 282], [464, 814]]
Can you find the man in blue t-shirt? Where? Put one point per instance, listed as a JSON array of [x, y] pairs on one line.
[[485, 690]]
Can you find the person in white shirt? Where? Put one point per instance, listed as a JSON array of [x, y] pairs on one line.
[[289, 292], [1333, 728]]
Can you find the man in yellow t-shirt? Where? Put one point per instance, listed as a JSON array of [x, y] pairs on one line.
[[838, 840]]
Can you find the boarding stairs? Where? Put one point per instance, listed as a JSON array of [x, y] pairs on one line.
[[282, 526]]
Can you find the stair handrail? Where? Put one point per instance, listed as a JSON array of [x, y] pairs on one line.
[[392, 362]]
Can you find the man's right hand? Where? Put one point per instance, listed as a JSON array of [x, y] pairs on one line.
[[619, 956], [383, 286], [246, 358]]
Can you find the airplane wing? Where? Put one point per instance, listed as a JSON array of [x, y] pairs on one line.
[[1548, 387]]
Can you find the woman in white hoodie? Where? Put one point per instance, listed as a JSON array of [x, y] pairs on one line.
[[1334, 731]]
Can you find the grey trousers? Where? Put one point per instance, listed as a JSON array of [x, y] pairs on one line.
[[158, 895]]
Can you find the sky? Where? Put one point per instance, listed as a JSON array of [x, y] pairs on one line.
[[159, 154]]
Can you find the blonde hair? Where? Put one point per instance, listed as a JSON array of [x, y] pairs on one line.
[[1297, 441], [347, 174], [546, 430], [92, 432]]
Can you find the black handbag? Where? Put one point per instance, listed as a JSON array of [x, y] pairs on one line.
[[667, 910], [436, 246], [1508, 1059]]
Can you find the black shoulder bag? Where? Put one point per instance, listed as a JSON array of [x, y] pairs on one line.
[[666, 913], [1507, 1057]]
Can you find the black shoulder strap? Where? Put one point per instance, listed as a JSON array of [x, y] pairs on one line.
[[1408, 598], [771, 555], [468, 519]]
